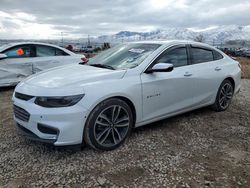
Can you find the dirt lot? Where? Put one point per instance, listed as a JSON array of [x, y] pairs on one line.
[[198, 149], [245, 63]]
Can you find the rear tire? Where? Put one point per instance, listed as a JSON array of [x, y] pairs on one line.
[[224, 96], [108, 125]]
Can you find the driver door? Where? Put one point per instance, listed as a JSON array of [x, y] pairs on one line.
[[168, 92], [17, 65]]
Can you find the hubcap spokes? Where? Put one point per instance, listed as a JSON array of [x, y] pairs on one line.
[[226, 95], [111, 126]]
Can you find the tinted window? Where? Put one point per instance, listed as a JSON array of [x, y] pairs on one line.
[[19, 52], [60, 52], [217, 55], [47, 51], [201, 55], [178, 57]]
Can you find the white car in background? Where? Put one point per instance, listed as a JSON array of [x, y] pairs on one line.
[[19, 60], [127, 86]]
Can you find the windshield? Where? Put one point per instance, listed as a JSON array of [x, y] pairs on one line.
[[124, 56]]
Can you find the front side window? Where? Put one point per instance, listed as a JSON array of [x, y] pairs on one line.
[[177, 57], [201, 55], [124, 56], [19, 52]]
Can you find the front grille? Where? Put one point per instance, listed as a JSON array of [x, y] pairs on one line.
[[21, 113], [23, 96]]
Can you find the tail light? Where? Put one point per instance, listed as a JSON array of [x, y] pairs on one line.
[[240, 66], [241, 70], [84, 60]]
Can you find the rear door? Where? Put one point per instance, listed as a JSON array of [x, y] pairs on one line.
[[168, 92], [48, 57], [17, 65], [206, 73]]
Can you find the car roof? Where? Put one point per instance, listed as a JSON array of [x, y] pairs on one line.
[[9, 45], [177, 42], [172, 42]]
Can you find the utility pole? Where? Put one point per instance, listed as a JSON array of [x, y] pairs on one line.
[[62, 38], [88, 41]]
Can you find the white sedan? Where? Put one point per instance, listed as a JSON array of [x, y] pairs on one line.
[[19, 60], [124, 87]]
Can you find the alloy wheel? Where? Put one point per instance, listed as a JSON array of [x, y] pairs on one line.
[[226, 95], [111, 126]]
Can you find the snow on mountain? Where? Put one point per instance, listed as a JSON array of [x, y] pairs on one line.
[[215, 34]]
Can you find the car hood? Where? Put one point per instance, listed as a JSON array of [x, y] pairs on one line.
[[66, 79], [72, 75]]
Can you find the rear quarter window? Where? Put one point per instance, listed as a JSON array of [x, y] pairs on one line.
[[217, 55], [61, 53]]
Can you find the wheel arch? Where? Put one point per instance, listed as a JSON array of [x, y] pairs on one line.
[[231, 80], [124, 98], [131, 105], [87, 137]]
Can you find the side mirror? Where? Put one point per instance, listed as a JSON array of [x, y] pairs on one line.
[[161, 67], [3, 56]]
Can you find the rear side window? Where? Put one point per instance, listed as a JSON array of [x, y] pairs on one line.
[[48, 51], [217, 55], [177, 57], [19, 52], [201, 55], [60, 52]]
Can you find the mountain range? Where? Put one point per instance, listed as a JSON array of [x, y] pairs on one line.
[[218, 34]]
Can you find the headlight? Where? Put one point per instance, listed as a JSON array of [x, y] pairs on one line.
[[56, 102]]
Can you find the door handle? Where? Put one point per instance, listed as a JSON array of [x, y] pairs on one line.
[[187, 74], [217, 69]]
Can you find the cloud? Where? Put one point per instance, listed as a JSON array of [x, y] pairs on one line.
[[78, 18]]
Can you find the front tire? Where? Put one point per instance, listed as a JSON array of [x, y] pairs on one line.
[[108, 125], [224, 96]]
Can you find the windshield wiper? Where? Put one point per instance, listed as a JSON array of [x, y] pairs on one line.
[[102, 66]]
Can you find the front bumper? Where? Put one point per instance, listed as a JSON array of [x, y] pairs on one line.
[[30, 135], [67, 123]]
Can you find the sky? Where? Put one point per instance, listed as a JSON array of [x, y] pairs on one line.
[[50, 19]]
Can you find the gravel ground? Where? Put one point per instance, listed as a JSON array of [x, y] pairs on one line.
[[197, 149]]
